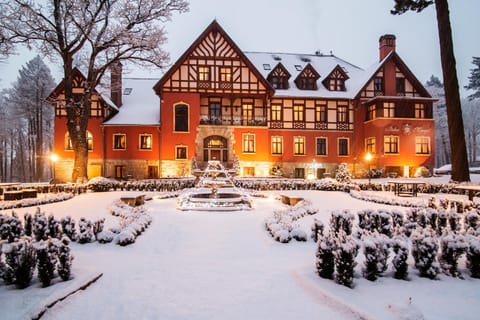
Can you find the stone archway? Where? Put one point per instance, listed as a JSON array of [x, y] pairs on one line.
[[223, 135]]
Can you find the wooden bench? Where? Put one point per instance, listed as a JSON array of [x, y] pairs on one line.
[[406, 188], [290, 200], [134, 200], [472, 190]]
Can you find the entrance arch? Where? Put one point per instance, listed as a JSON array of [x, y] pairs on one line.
[[215, 148]]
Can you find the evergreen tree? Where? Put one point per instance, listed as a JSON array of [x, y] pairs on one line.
[[46, 261], [68, 228], [85, 234], [399, 261], [346, 249], [424, 252], [452, 246], [458, 147], [474, 79], [343, 175], [370, 270], [28, 224]]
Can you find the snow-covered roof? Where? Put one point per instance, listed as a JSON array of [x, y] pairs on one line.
[[141, 106], [324, 64]]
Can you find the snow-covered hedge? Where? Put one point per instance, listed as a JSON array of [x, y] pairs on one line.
[[281, 224], [41, 199], [101, 184], [133, 221]]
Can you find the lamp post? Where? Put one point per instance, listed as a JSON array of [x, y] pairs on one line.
[[53, 158], [368, 158]]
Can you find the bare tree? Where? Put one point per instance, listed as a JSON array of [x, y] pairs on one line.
[[101, 33], [460, 170], [471, 115]]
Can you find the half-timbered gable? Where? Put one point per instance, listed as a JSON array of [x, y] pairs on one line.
[[278, 77], [335, 81], [307, 79]]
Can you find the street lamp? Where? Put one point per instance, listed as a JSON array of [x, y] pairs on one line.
[[53, 158], [368, 158]]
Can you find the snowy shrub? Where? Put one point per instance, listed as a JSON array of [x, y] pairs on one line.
[[452, 246], [454, 220], [424, 252], [442, 221], [397, 219], [317, 229], [325, 258], [46, 261], [105, 236], [10, 227], [399, 261], [298, 234], [53, 227], [432, 217], [97, 226], [64, 258], [383, 251], [20, 260], [28, 224], [40, 226], [282, 235], [341, 221], [384, 222], [85, 234], [473, 256], [126, 236], [364, 219], [343, 175], [346, 249], [68, 228], [471, 219], [370, 270]]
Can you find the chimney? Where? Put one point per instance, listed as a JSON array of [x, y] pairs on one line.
[[116, 83], [386, 45]]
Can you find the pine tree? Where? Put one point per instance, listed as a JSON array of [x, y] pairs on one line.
[[474, 79], [343, 175]]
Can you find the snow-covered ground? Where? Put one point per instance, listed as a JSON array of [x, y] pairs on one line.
[[225, 265]]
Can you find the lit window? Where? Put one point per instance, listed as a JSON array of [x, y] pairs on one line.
[[145, 142], [248, 143], [370, 145], [321, 113], [391, 144], [419, 110], [225, 74], [181, 118], [276, 112], [247, 113], [389, 109], [342, 114], [321, 146], [343, 147], [180, 152], [371, 112], [203, 74], [299, 146], [298, 113], [277, 145], [119, 141], [69, 145], [422, 145]]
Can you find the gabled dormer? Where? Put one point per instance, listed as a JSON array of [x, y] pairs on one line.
[[307, 79], [278, 77], [335, 81]]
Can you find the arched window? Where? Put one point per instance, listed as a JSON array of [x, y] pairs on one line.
[[181, 118], [68, 141]]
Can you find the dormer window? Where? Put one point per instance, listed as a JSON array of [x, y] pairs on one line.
[[336, 80], [279, 76], [307, 79]]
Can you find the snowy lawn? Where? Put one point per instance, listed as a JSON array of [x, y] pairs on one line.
[[225, 265]]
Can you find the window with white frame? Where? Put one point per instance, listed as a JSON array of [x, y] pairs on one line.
[[248, 145], [145, 141], [299, 146], [277, 145]]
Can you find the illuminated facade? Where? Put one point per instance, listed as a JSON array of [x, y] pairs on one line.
[[303, 113]]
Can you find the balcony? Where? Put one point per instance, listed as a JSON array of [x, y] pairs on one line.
[[233, 121]]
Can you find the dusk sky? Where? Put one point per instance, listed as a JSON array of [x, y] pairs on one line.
[[348, 28]]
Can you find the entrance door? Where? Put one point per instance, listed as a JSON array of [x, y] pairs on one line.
[[215, 148]]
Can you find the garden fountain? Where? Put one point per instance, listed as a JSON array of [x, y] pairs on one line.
[[215, 191]]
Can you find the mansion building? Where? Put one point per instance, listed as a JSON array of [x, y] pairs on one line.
[[301, 113]]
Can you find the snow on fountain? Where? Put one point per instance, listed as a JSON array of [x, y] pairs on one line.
[[215, 191]]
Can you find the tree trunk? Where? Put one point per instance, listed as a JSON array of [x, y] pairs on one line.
[[460, 171]]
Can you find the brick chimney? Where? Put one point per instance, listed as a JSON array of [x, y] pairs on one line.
[[116, 83], [386, 44]]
